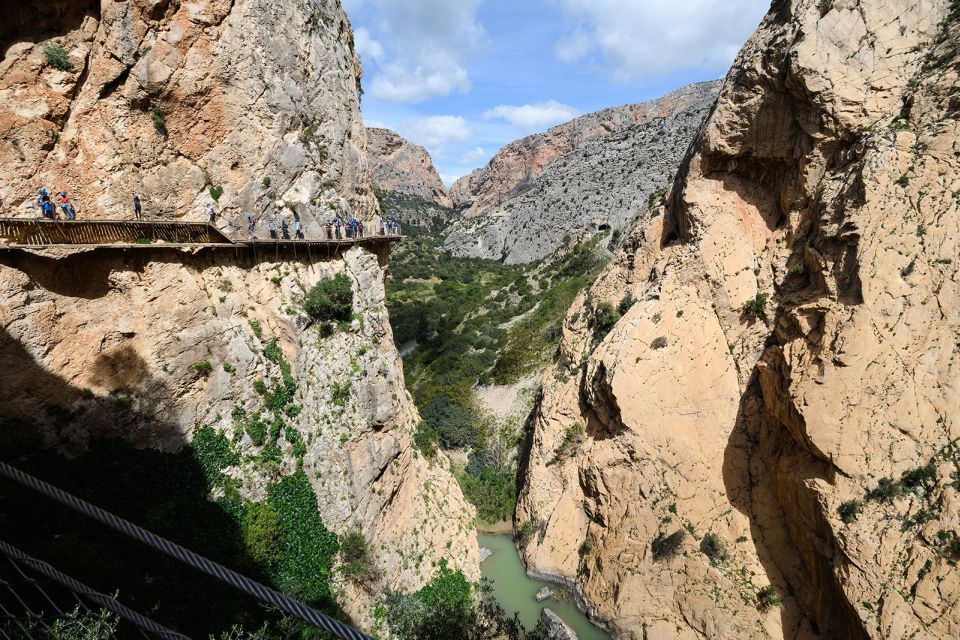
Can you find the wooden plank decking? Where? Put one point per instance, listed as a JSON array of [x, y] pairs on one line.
[[18, 233]]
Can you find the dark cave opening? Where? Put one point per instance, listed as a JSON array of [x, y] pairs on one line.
[[38, 20]]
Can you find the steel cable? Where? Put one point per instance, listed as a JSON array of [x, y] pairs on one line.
[[198, 562]]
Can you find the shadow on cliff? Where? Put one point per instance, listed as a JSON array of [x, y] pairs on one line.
[[72, 439], [800, 569], [87, 275]]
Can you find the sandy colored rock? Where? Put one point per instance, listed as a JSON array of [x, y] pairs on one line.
[[169, 99], [793, 341], [79, 332], [403, 167]]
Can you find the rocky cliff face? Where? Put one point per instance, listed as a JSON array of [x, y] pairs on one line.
[[402, 167], [107, 345], [169, 99], [598, 172], [764, 445]]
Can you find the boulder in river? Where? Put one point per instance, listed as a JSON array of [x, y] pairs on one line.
[[557, 629], [485, 553], [544, 593]]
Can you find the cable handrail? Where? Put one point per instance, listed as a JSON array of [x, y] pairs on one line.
[[200, 563]]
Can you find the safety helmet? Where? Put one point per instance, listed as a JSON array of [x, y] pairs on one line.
[[63, 193], [43, 192]]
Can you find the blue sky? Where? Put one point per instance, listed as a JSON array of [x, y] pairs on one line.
[[465, 77]]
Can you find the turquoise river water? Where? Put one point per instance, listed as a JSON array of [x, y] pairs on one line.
[[516, 591]]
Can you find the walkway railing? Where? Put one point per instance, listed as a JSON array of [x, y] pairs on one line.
[[236, 580], [19, 232]]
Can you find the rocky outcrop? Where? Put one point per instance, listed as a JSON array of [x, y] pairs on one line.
[[557, 629], [107, 345], [254, 100], [598, 172], [768, 433], [400, 166]]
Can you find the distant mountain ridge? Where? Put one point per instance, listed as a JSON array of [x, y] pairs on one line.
[[597, 172], [399, 166]]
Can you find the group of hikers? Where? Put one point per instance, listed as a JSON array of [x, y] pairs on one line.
[[49, 210], [335, 228]]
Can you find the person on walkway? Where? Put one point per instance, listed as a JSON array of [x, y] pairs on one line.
[[272, 227], [359, 228], [137, 209], [47, 210], [284, 228], [251, 225], [329, 231], [336, 226], [297, 229], [67, 206], [211, 213]]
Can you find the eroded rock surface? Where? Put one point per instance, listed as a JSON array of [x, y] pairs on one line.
[[168, 99], [598, 172], [400, 166], [112, 341], [789, 341]]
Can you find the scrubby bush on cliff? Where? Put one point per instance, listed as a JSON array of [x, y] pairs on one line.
[[756, 307], [712, 546], [456, 425], [57, 57], [330, 300], [666, 546], [356, 562], [768, 597], [425, 440]]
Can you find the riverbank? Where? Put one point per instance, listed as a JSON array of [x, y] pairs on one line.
[[504, 527], [516, 591]]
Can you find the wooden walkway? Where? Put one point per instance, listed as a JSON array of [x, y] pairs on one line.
[[18, 233]]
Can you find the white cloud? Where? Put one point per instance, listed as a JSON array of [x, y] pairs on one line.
[[422, 47], [448, 179], [435, 132], [367, 47], [533, 117], [475, 156], [638, 38]]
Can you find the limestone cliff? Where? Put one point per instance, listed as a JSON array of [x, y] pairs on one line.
[[112, 342], [171, 99], [778, 403], [402, 167], [595, 173]]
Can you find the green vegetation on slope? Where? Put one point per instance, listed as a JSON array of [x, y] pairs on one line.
[[468, 321]]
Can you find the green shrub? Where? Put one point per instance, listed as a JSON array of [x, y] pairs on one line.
[[260, 529], [272, 352], [57, 57], [214, 453], [659, 343], [260, 387], [625, 304], [456, 425], [920, 478], [216, 192], [330, 300], [159, 121], [798, 269], [585, 548], [257, 430], [256, 328], [712, 546], [756, 306], [492, 491], [850, 510], [340, 393], [356, 562], [524, 533], [229, 368], [666, 546], [266, 182], [425, 440], [886, 489], [768, 597], [572, 438], [604, 317], [203, 368]]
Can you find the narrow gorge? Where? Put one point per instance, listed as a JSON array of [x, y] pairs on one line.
[[693, 359]]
